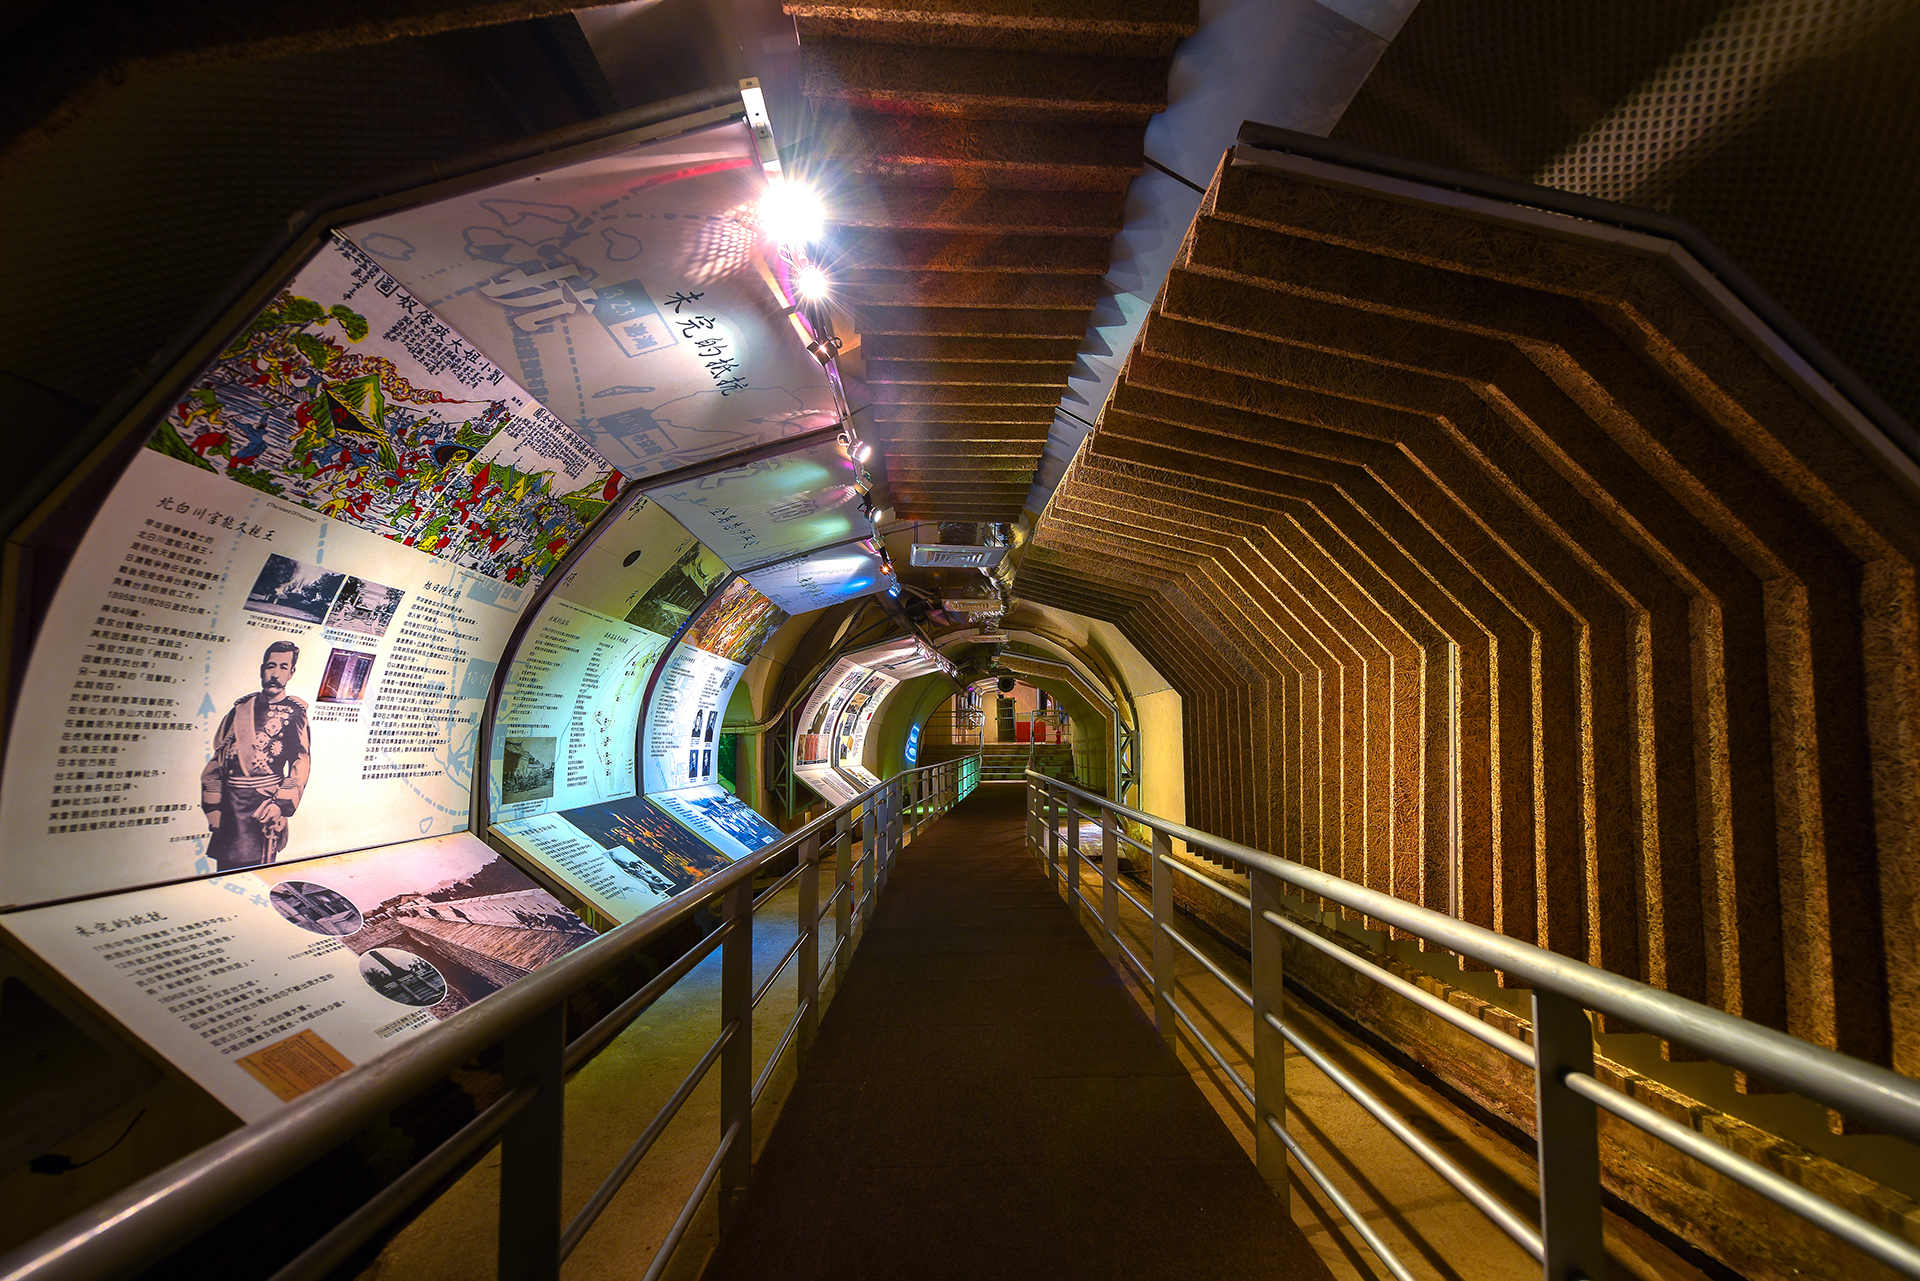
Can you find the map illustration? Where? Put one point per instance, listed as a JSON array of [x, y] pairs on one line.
[[631, 293], [348, 396]]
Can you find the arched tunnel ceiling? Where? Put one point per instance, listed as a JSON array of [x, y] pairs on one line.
[[1503, 566]]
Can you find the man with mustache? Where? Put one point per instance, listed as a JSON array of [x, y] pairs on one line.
[[261, 756]]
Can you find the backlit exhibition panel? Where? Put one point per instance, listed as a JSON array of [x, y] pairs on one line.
[[564, 731], [825, 577], [240, 773], [774, 507], [632, 292], [277, 636], [265, 983]]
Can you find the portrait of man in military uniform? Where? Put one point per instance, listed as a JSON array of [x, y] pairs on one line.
[[261, 757]]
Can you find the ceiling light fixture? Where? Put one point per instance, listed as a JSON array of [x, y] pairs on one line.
[[791, 213], [812, 283]]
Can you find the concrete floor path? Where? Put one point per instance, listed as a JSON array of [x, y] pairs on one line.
[[986, 1100]]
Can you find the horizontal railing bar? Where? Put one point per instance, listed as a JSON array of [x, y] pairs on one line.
[[1122, 887], [1142, 846], [1225, 892], [617, 1177], [1876, 1242], [793, 874], [679, 1228], [780, 969], [1864, 1091], [1511, 1046], [612, 1024], [1207, 1045], [773, 1060], [1484, 1201], [839, 889], [1145, 971], [330, 1251], [1365, 1230], [127, 1232], [833, 957], [1246, 997]]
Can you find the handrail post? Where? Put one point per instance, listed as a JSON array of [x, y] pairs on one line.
[[531, 1150], [896, 809], [1110, 882], [1032, 808], [1567, 1135], [736, 1060], [843, 881], [1163, 962], [808, 991], [1053, 835], [1071, 835], [1269, 1047], [869, 863]]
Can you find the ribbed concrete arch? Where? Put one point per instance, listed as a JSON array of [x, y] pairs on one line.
[[1504, 564]]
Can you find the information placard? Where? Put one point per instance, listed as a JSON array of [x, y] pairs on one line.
[[773, 508], [720, 818], [630, 292], [623, 857], [263, 984], [219, 660], [825, 577]]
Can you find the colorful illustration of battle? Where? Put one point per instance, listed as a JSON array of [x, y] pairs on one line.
[[348, 396]]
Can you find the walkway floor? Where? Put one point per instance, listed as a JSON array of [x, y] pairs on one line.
[[986, 1100]]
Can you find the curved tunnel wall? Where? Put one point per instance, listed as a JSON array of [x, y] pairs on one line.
[[1503, 564]]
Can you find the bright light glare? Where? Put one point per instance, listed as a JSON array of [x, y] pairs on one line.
[[863, 451], [790, 213], [812, 283]]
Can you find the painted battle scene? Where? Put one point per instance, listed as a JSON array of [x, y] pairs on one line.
[[348, 397], [737, 623]]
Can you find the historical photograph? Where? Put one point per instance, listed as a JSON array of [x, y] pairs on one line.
[[364, 607], [680, 591], [476, 921], [287, 588], [526, 769], [316, 907], [345, 677], [403, 977], [257, 775], [733, 816]]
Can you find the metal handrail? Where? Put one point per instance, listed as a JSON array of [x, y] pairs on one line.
[[1567, 1096], [127, 1232]]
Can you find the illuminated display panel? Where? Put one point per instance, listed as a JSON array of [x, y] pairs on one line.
[[680, 739], [265, 983], [622, 856], [630, 292], [773, 508], [570, 705], [308, 576], [824, 577]]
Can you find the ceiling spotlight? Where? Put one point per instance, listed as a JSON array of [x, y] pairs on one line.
[[791, 213], [863, 451], [812, 283], [824, 350]]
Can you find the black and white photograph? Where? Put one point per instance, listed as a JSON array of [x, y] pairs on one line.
[[403, 977], [316, 907], [733, 816], [526, 769], [364, 607], [288, 588], [345, 677]]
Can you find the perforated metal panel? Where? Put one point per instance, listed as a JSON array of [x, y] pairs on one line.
[[1788, 131]]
